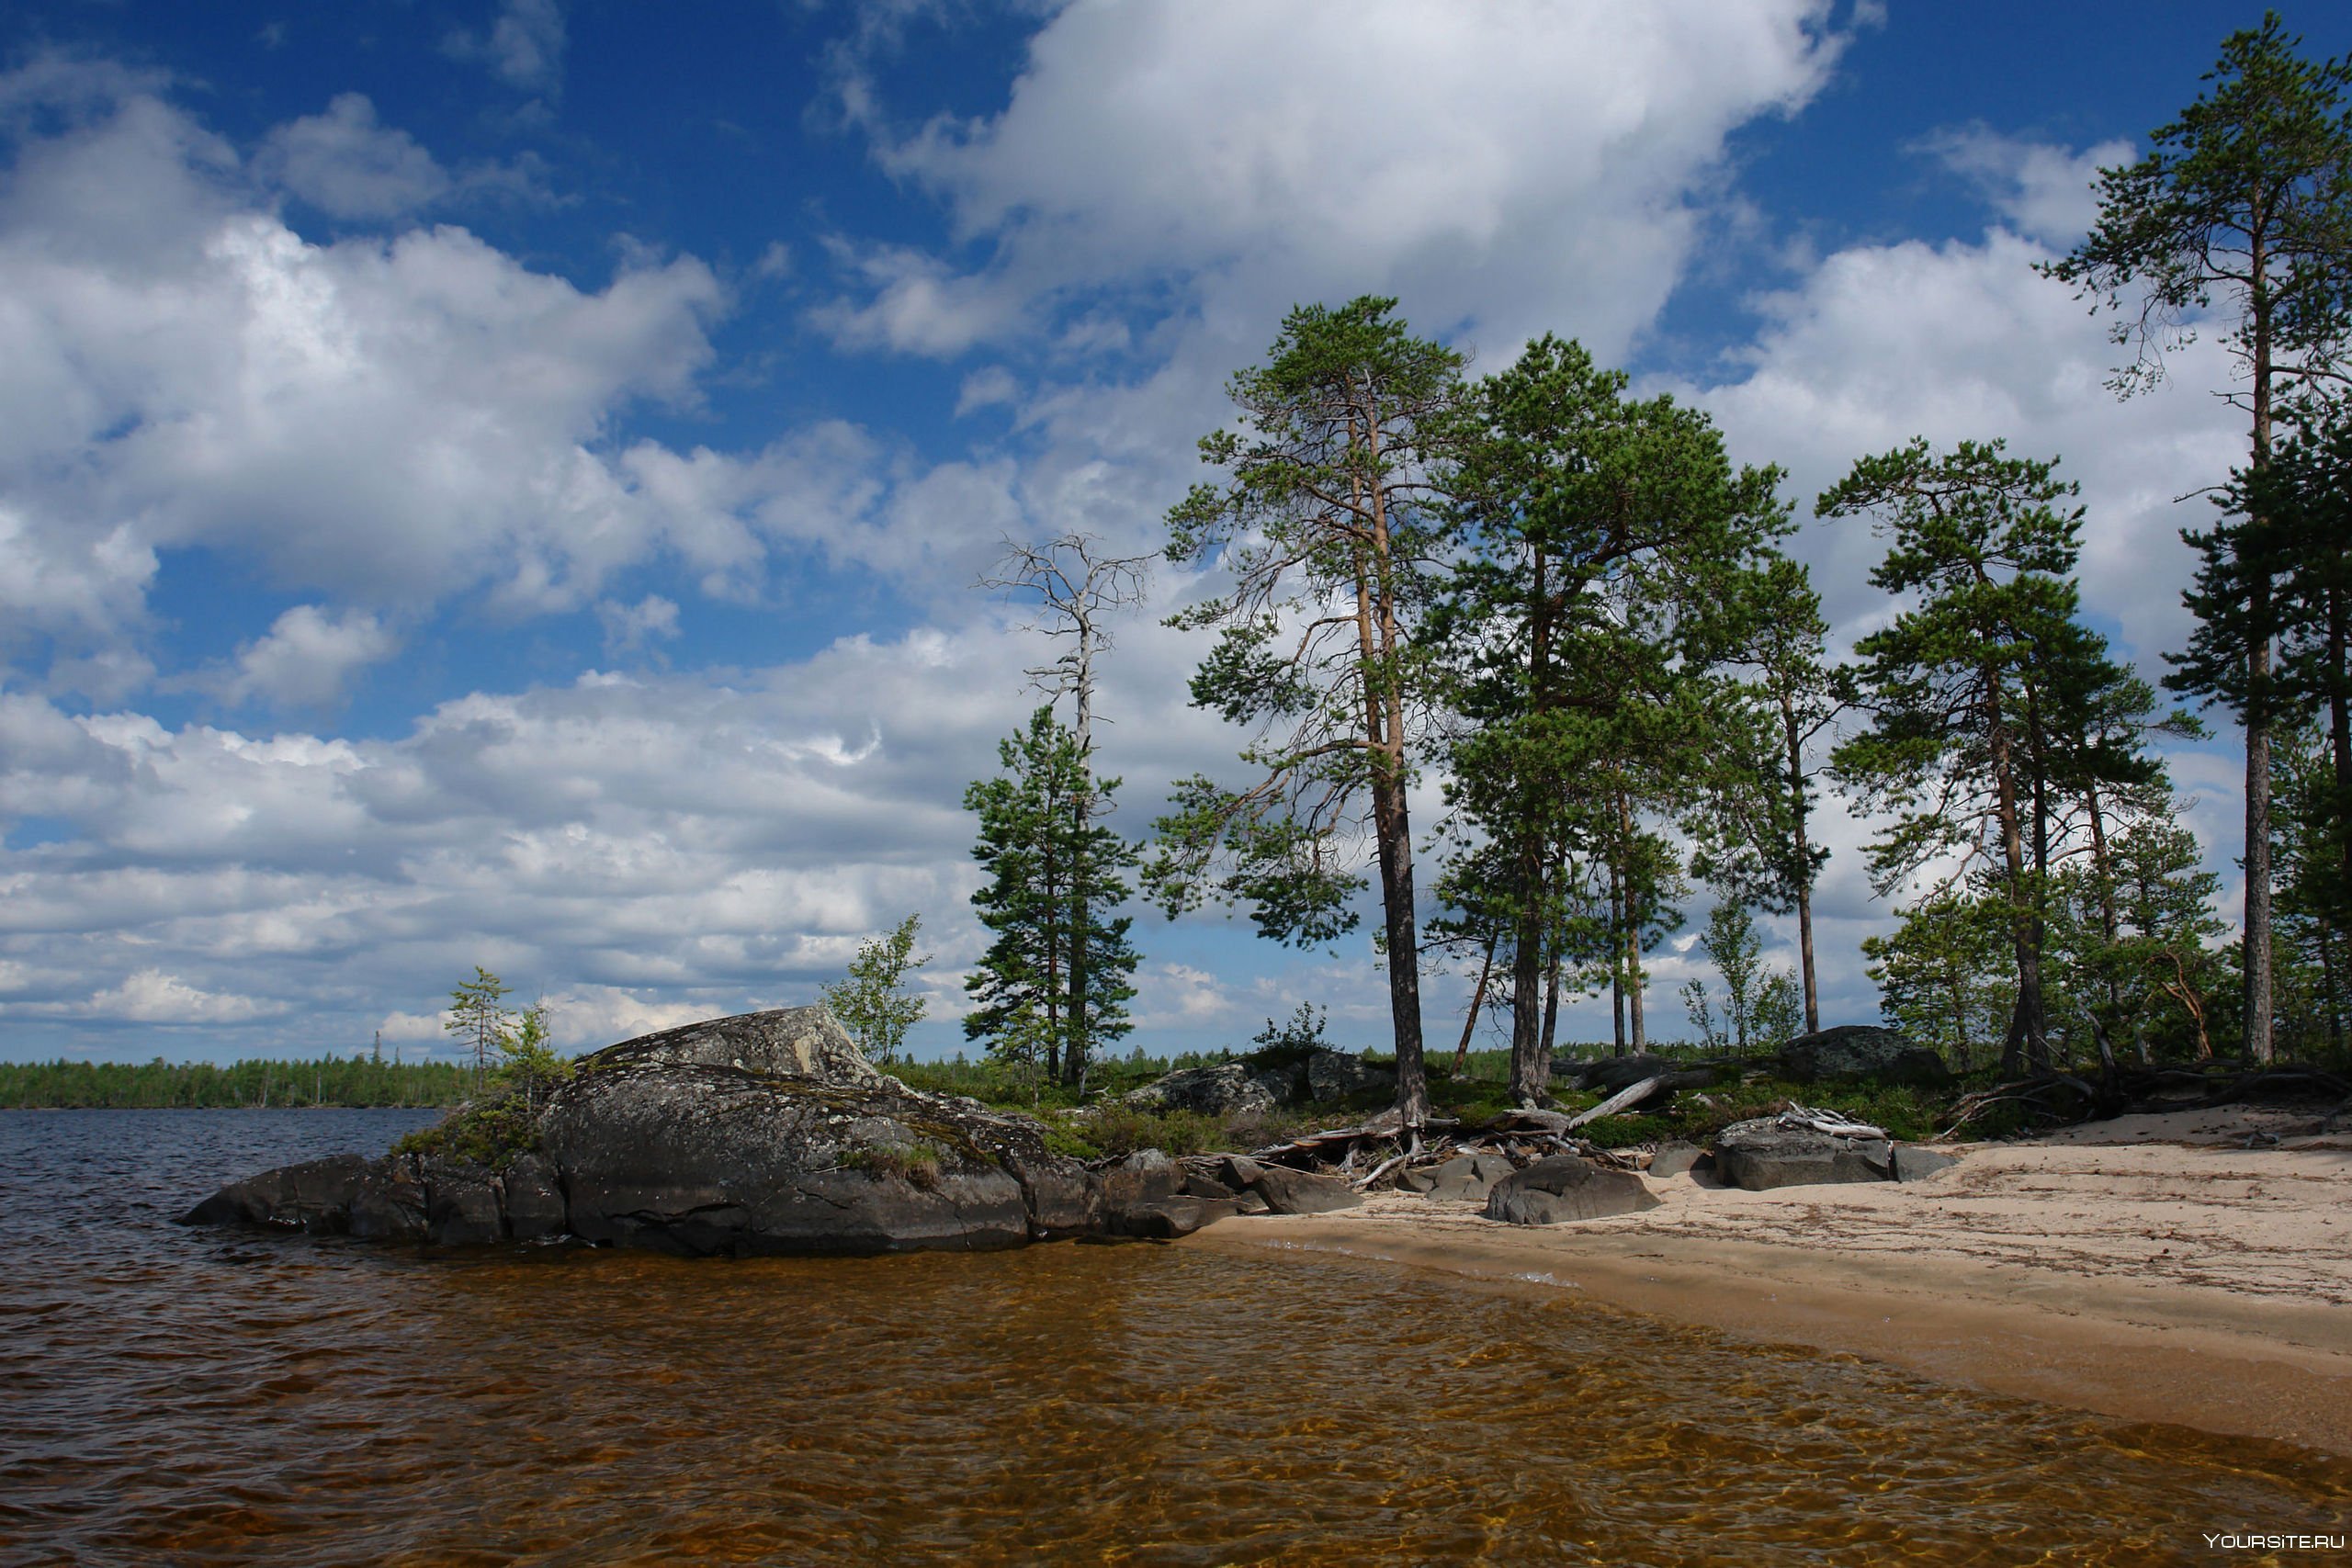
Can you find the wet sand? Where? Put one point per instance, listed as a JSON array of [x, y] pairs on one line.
[[2152, 1268]]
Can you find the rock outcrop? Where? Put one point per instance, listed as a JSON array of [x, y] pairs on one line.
[[1860, 1051], [764, 1134], [1253, 1087]]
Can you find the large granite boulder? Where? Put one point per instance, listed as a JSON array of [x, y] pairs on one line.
[[1565, 1188], [1860, 1051], [701, 1158], [1766, 1153], [1288, 1191], [793, 1043], [764, 1134], [1253, 1087], [1343, 1075], [1223, 1088]]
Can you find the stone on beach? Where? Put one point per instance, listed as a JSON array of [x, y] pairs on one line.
[[1565, 1188], [1764, 1154]]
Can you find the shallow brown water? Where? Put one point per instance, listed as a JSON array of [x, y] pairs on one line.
[[178, 1396]]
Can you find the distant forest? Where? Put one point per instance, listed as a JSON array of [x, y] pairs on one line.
[[262, 1085]]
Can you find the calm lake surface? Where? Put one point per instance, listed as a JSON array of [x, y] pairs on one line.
[[179, 1396]]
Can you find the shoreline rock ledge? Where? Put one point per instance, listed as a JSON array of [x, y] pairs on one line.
[[760, 1134]]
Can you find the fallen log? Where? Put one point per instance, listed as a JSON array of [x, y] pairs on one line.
[[1631, 1094], [1836, 1124]]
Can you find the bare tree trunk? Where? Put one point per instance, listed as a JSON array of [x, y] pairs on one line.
[[1478, 1000]]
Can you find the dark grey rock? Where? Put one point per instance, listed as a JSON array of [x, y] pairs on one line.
[[533, 1198], [763, 1134], [390, 1202], [1225, 1088], [1763, 1154], [1610, 1074], [1674, 1159], [1252, 1203], [1145, 1175], [1238, 1172], [464, 1205], [1199, 1186], [315, 1196], [699, 1158], [1416, 1180], [1565, 1188], [1860, 1051], [1063, 1199], [1288, 1191], [1341, 1075], [1169, 1218], [1467, 1178], [1913, 1163]]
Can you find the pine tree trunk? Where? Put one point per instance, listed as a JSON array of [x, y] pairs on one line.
[[1530, 1076], [2024, 1040], [2338, 817], [2257, 949], [1633, 927], [1380, 645], [1800, 810], [1395, 830], [2257, 1040], [1526, 980], [1617, 953]]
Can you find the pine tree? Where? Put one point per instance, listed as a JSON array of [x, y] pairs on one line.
[[1325, 523], [1753, 831], [2247, 195], [1952, 685], [1600, 534], [480, 1020], [1053, 876], [1941, 974]]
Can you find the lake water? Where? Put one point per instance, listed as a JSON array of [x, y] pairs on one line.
[[179, 1396]]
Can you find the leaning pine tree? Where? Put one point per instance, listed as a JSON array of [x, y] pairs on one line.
[[1053, 877]]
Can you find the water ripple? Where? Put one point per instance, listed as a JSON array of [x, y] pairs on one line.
[[203, 1398]]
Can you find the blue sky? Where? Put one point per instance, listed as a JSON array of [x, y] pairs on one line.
[[501, 482]]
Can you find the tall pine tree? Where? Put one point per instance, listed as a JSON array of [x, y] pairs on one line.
[[2247, 196]]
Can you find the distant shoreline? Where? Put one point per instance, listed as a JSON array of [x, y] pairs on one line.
[[2171, 1275]]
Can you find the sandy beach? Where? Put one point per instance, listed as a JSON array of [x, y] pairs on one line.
[[2193, 1268]]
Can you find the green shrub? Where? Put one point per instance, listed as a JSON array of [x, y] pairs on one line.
[[490, 1130], [1118, 1130], [1061, 1139], [915, 1164]]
